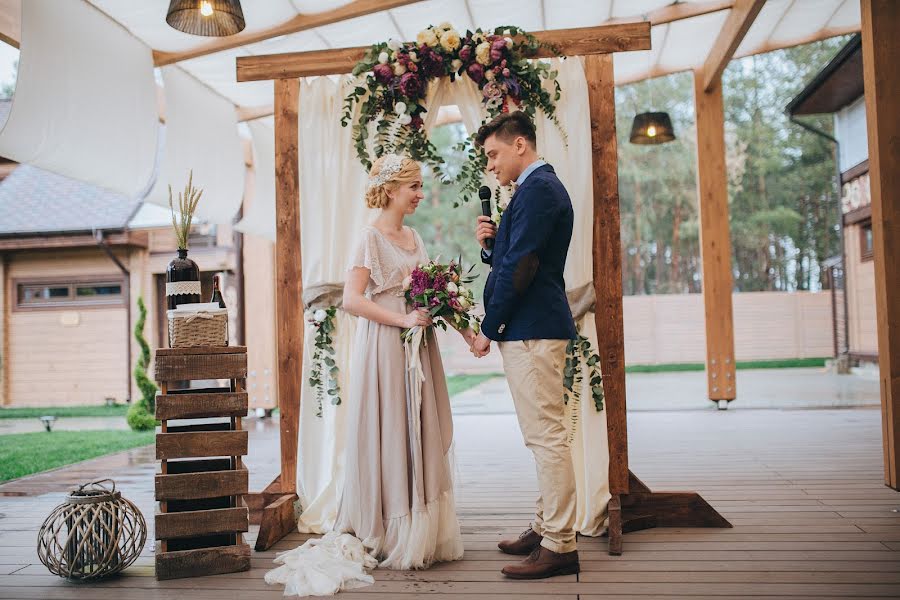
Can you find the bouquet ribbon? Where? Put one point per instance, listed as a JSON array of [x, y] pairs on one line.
[[415, 377]]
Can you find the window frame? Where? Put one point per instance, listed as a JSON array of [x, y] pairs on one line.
[[865, 254], [72, 301]]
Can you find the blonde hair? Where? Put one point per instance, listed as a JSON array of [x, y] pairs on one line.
[[377, 196]]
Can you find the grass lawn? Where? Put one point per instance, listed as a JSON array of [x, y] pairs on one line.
[[26, 453], [118, 410], [741, 364], [456, 384]]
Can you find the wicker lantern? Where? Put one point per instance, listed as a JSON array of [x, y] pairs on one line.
[[94, 534]]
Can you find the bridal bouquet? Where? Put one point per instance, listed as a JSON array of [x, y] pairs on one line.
[[441, 289]]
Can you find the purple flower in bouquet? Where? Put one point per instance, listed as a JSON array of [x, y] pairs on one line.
[[465, 54], [476, 72], [417, 122], [411, 85], [383, 73], [418, 282], [440, 283]]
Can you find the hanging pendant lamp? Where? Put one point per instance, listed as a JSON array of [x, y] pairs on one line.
[[214, 18], [652, 128]]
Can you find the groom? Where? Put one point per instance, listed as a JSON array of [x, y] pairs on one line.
[[528, 314]]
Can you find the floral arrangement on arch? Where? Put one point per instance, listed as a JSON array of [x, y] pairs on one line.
[[396, 78]]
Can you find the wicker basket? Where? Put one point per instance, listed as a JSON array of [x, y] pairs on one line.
[[94, 534], [202, 328]]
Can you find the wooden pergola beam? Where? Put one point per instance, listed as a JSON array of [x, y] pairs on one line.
[[730, 37], [677, 12], [11, 22], [358, 8], [583, 41], [881, 54]]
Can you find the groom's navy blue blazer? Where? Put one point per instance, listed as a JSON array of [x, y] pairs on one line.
[[525, 295]]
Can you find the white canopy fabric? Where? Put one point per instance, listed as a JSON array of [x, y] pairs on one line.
[[677, 46], [75, 95], [259, 216], [201, 135]]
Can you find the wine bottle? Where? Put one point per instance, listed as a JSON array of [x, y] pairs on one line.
[[217, 293]]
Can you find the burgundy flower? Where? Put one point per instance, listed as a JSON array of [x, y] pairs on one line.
[[465, 54], [417, 122], [435, 302], [440, 283], [383, 73], [476, 72], [410, 85], [418, 282], [432, 63]]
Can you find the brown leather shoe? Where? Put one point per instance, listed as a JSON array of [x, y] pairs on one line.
[[525, 545], [543, 563]]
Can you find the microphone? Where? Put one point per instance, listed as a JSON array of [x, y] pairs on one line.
[[484, 192]]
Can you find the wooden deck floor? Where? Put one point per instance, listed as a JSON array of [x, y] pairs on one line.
[[803, 489]]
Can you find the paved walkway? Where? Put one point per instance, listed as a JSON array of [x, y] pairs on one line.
[[801, 388]]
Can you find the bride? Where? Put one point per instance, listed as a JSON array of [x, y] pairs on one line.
[[397, 509]]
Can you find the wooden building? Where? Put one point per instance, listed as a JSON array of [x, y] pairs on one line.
[[838, 89]]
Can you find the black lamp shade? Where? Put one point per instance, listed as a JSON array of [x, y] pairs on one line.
[[652, 128], [215, 18]]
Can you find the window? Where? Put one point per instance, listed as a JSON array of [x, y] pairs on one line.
[[866, 241], [64, 294]]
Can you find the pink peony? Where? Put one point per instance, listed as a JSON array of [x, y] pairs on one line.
[[465, 54], [497, 48]]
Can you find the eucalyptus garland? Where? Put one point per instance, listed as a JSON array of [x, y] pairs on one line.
[[323, 375], [579, 350], [394, 80]]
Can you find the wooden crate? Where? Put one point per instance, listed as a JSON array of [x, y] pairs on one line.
[[201, 521]]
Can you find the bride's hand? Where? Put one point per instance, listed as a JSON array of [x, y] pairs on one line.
[[468, 335], [418, 317]]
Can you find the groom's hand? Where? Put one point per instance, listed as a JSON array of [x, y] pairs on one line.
[[481, 346], [484, 230]]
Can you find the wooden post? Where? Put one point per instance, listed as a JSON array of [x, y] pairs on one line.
[[715, 240], [607, 259], [274, 506], [633, 505], [288, 274], [881, 55]]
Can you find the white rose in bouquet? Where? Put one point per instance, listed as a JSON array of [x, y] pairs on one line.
[[320, 315], [452, 288]]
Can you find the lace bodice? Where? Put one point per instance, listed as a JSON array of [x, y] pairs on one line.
[[388, 263]]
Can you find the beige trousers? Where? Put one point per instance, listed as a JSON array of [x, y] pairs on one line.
[[534, 370]]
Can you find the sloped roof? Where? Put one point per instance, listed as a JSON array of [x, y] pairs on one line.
[[33, 200], [838, 84]]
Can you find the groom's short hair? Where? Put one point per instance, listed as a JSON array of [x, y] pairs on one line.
[[507, 127]]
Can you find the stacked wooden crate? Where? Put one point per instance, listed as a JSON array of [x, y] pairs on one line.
[[201, 520]]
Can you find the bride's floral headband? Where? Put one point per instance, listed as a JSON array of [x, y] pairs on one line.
[[390, 167]]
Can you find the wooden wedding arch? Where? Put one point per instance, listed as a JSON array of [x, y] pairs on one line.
[[633, 506]]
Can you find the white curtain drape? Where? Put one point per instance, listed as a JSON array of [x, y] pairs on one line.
[[259, 217], [572, 162], [85, 99], [333, 211], [201, 135]]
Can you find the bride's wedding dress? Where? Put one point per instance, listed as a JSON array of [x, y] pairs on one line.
[[397, 509]]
